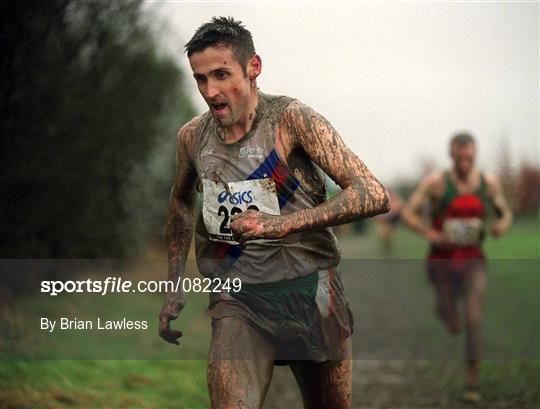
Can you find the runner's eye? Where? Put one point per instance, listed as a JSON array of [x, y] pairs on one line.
[[221, 74], [200, 79]]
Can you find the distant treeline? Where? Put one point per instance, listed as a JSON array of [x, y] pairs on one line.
[[89, 110]]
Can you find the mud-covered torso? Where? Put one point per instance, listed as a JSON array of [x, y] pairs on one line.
[[250, 174]]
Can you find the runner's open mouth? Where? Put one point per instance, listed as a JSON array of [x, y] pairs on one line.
[[219, 107]]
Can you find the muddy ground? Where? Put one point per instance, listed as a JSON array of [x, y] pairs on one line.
[[399, 384]]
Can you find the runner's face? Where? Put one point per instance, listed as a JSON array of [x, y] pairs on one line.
[[463, 157], [222, 84]]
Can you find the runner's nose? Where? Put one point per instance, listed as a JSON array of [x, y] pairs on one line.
[[211, 90]]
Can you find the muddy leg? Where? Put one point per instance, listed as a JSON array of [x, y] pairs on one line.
[[240, 365], [326, 385]]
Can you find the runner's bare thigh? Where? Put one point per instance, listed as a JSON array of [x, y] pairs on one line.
[[240, 365], [328, 384]]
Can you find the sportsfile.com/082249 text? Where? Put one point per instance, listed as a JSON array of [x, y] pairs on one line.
[[112, 285]]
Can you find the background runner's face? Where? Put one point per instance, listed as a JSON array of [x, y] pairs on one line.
[[222, 84], [463, 157]]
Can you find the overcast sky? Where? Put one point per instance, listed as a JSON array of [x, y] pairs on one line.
[[395, 79]]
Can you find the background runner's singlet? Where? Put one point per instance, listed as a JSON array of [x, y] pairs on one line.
[[462, 217], [247, 175]]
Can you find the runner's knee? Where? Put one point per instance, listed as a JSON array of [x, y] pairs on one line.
[[231, 405], [474, 319], [232, 387]]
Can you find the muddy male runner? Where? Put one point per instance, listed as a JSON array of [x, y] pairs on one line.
[[256, 164], [456, 263]]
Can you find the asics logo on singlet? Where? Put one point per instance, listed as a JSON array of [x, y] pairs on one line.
[[235, 198]]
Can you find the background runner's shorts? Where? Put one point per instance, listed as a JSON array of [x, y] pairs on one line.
[[452, 270], [306, 318]]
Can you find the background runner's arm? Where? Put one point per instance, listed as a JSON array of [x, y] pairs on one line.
[[179, 231], [500, 205], [412, 211]]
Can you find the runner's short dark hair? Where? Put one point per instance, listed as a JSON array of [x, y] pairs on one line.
[[224, 31], [462, 139]]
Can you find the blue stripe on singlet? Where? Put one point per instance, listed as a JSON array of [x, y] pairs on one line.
[[286, 183]]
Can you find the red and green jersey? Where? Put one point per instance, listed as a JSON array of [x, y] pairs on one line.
[[454, 208]]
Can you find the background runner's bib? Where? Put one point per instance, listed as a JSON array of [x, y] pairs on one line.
[[463, 232], [223, 200]]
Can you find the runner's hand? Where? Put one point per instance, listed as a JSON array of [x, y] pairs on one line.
[[251, 225], [436, 238], [497, 229], [168, 313]]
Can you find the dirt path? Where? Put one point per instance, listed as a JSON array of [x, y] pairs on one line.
[[393, 385]]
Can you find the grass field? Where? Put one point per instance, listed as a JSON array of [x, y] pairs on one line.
[[29, 378]]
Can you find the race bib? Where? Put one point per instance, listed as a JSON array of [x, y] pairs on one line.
[[223, 200], [465, 232]]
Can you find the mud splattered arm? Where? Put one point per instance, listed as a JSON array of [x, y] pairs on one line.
[[500, 205], [179, 231], [362, 195]]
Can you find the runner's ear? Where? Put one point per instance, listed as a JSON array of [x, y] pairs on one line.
[[254, 67]]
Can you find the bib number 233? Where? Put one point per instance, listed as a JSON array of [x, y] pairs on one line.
[[221, 201]]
